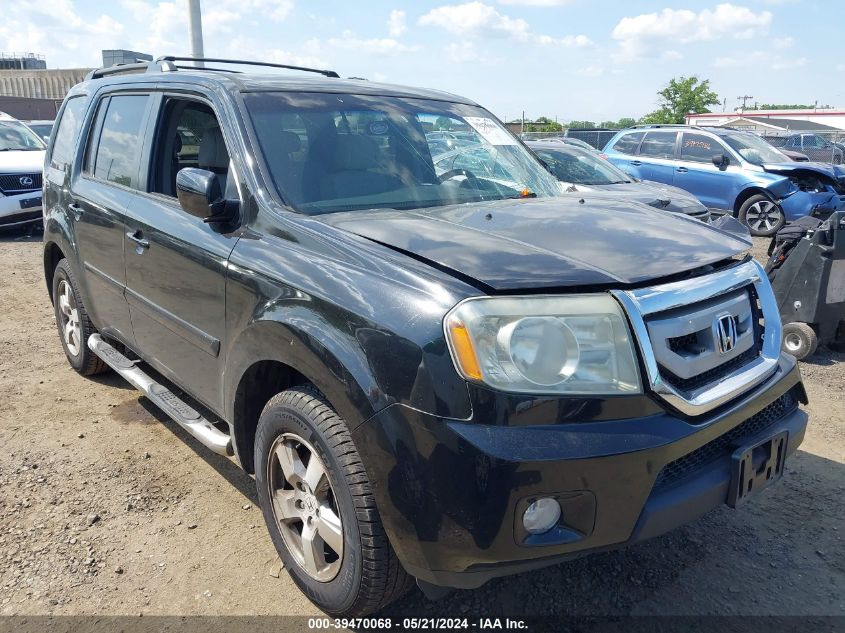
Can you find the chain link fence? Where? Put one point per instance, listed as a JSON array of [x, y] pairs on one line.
[[596, 138], [824, 146]]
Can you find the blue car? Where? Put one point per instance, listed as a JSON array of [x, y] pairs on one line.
[[730, 172]]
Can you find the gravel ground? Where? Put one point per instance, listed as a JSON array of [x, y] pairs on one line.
[[108, 508]]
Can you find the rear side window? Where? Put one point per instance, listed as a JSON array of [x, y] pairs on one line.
[[64, 138], [659, 144], [116, 156], [628, 143], [699, 148]]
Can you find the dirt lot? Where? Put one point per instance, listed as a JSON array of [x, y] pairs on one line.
[[108, 508]]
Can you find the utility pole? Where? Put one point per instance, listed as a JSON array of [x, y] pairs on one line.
[[744, 99], [523, 123], [195, 20]]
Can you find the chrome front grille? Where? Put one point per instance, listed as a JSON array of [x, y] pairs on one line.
[[707, 339]]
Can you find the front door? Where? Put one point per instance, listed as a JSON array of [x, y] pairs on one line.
[[695, 171], [175, 262]]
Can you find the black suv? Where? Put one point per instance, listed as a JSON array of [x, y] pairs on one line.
[[445, 376]]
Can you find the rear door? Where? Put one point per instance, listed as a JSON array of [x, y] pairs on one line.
[[657, 155], [696, 172], [623, 151], [98, 200], [175, 262]]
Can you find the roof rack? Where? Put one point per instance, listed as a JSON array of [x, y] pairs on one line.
[[686, 125], [166, 64], [220, 60]]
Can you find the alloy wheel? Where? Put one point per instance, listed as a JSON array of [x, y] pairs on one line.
[[69, 315], [304, 507], [763, 215]]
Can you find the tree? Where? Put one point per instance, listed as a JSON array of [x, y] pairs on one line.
[[680, 97], [442, 123]]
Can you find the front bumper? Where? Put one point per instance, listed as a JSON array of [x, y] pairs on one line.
[[803, 203], [451, 493], [20, 209]]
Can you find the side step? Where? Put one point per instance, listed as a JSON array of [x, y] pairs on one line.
[[180, 412]]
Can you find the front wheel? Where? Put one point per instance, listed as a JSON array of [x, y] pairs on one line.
[[319, 507], [763, 217]]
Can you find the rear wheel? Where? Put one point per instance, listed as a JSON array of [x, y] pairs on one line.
[[762, 216], [73, 323], [319, 508], [800, 340]]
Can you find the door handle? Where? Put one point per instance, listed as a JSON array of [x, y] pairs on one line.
[[137, 237], [636, 163], [76, 211], [682, 170]]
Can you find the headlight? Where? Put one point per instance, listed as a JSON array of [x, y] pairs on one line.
[[576, 344]]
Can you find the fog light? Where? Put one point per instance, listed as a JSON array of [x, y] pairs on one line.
[[541, 516]]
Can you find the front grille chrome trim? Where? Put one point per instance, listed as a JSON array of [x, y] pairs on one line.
[[643, 302]]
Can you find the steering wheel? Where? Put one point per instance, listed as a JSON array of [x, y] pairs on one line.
[[471, 179]]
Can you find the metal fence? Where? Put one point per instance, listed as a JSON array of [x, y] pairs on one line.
[[596, 138], [823, 146]]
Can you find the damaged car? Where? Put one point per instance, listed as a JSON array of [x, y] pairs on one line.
[[582, 171], [730, 172]]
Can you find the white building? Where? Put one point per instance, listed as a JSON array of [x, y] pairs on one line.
[[833, 117]]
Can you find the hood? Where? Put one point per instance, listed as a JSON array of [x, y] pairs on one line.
[[836, 172], [20, 162], [653, 194], [547, 242]]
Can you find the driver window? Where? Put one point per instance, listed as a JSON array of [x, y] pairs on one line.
[[699, 148], [189, 135]]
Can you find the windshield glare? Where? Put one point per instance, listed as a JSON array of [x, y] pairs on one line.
[[581, 168], [754, 149], [336, 152], [14, 135]]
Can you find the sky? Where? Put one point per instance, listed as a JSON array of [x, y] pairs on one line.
[[565, 59]]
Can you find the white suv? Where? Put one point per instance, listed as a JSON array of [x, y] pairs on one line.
[[21, 165]]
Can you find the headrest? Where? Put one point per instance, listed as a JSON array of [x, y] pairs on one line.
[[212, 152], [288, 142], [354, 152]]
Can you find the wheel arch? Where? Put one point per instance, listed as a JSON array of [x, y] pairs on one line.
[[271, 356], [747, 193]]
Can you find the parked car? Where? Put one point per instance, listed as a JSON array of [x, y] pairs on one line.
[[21, 161], [798, 157], [731, 172], [432, 376], [42, 128], [568, 140], [582, 171], [816, 147]]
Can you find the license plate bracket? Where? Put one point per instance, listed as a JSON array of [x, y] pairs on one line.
[[28, 203], [756, 466]]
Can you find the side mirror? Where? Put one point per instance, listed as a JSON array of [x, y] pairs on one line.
[[200, 195], [721, 161]]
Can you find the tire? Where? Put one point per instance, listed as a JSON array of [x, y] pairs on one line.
[[800, 340], [763, 217], [299, 424], [73, 323]]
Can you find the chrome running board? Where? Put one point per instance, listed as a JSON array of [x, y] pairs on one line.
[[177, 410]]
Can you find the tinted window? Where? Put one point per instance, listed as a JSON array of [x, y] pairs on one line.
[[119, 148], [64, 142], [659, 144], [628, 143], [581, 168], [699, 148]]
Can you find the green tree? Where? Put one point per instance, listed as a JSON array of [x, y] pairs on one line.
[[442, 123], [680, 97]]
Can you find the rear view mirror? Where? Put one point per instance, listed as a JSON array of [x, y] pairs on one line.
[[200, 195], [721, 161]]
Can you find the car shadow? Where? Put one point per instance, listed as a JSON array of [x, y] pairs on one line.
[[27, 234]]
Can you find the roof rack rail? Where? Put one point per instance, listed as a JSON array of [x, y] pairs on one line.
[[138, 67], [219, 60]]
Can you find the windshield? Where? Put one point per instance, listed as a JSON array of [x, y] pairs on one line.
[[754, 149], [336, 152], [580, 167], [14, 135]]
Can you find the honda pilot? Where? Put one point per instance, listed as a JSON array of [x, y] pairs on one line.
[[434, 376]]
